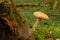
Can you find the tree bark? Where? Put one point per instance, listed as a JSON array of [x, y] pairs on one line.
[[18, 25]]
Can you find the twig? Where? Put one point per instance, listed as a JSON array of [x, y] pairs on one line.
[[55, 4]]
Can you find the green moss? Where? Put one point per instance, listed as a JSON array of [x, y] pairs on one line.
[[15, 14]]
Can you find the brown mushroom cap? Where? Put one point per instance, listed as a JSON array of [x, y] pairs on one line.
[[41, 15]]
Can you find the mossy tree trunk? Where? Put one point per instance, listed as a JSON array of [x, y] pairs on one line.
[[18, 25]]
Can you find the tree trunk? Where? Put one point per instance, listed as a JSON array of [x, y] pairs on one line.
[[18, 25]]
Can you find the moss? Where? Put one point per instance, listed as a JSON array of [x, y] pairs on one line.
[[15, 14]]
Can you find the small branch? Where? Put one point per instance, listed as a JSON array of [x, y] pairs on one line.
[[26, 5], [55, 4]]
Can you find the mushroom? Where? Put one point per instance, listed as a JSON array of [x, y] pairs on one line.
[[40, 16]]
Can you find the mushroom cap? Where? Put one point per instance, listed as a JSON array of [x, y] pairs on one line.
[[40, 15]]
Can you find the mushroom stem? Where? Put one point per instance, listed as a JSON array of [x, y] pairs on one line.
[[35, 24]]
